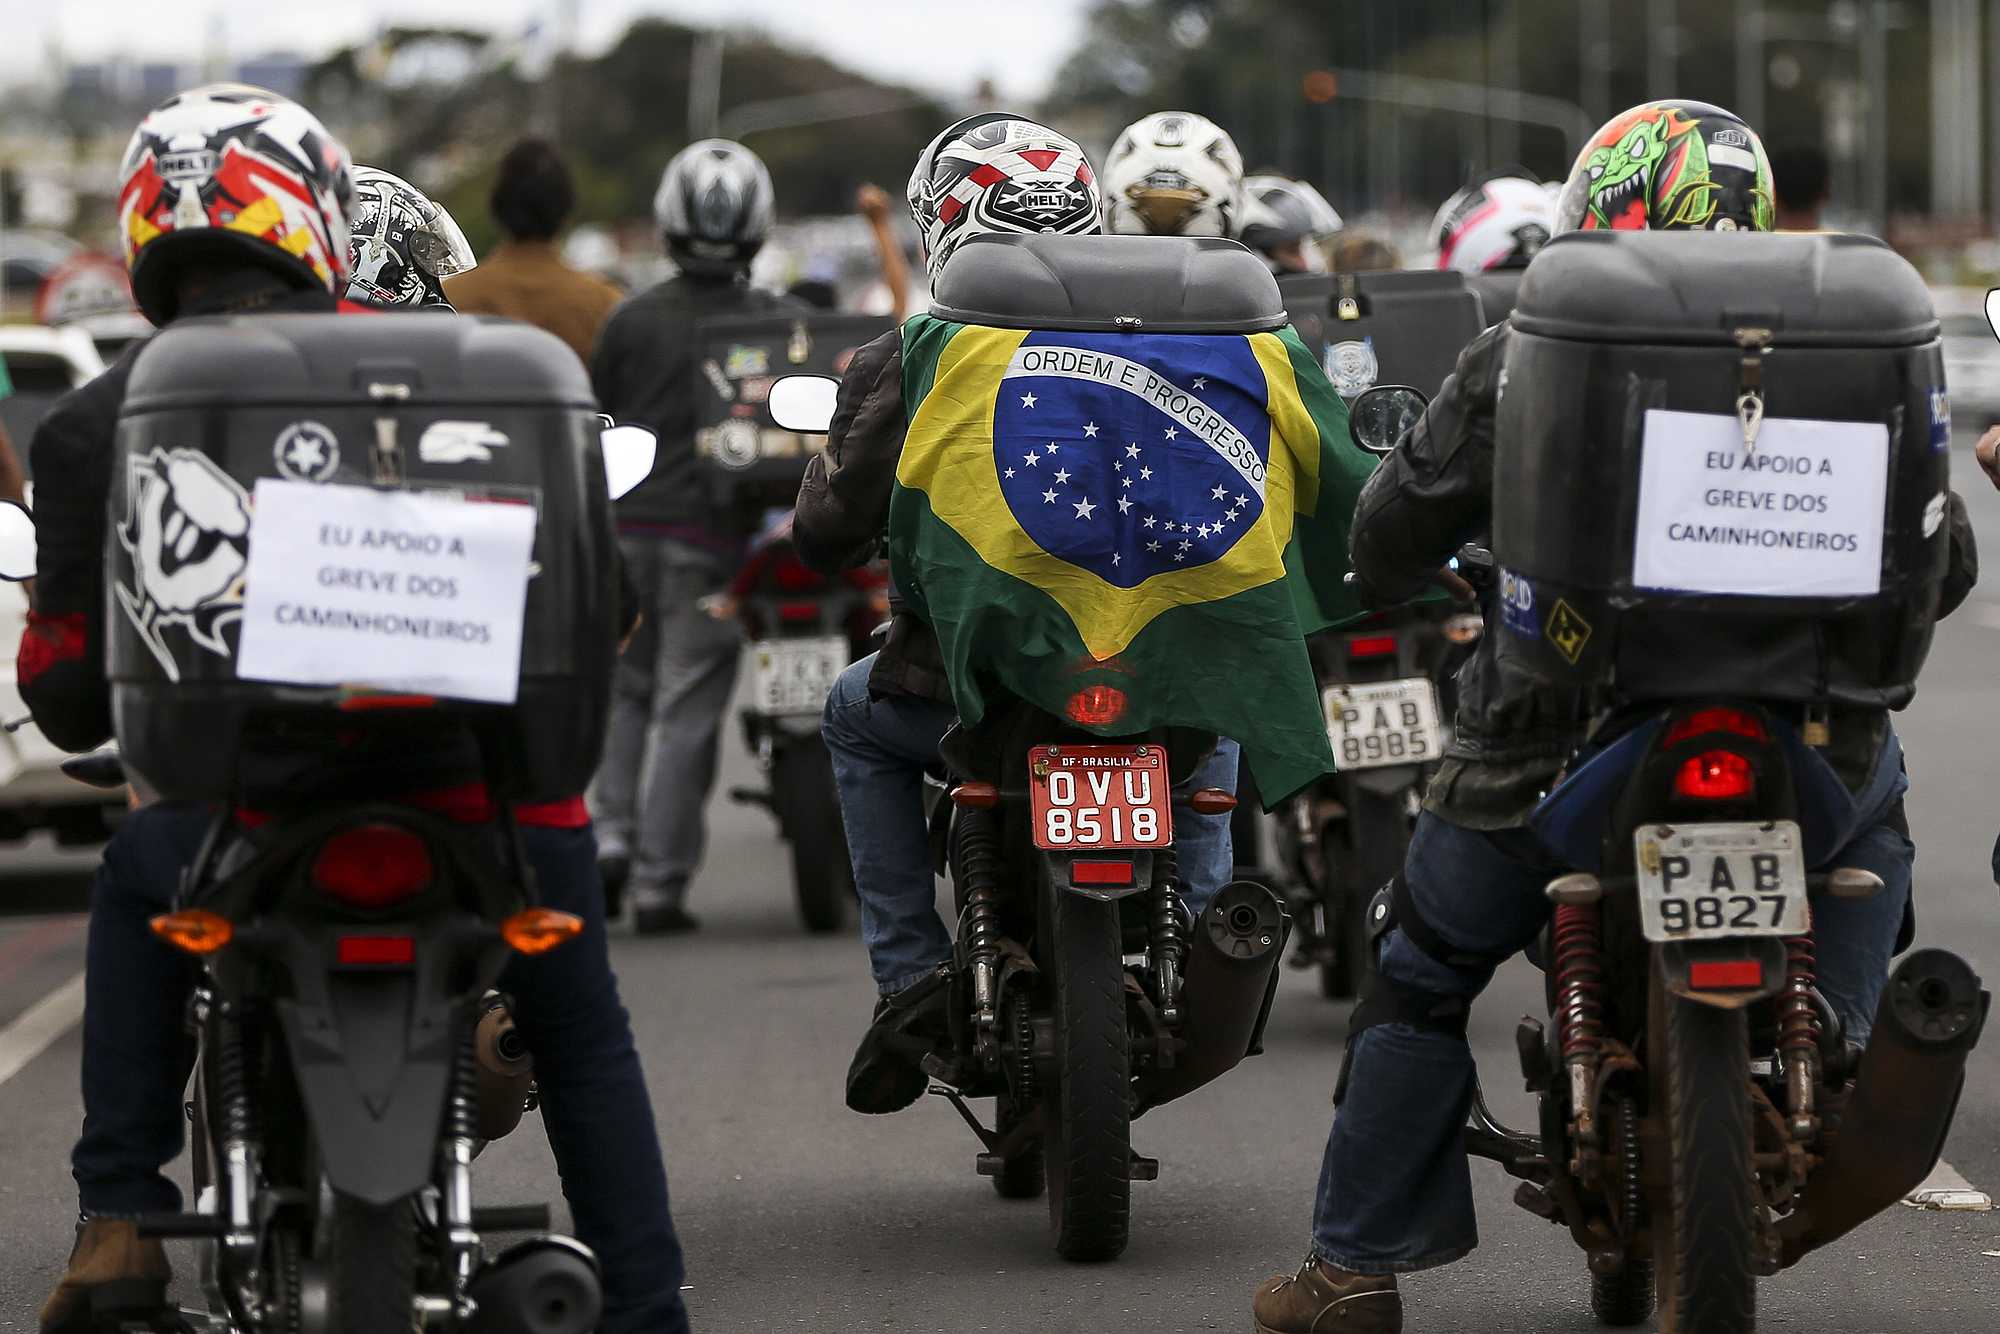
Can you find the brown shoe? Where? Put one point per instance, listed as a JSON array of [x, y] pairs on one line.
[[111, 1267], [1321, 1299]]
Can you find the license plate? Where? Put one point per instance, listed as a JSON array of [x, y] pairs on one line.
[[794, 675], [1705, 881], [1393, 722], [1100, 797]]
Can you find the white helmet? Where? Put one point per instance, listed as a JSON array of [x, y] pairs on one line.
[[1496, 223], [1173, 174]]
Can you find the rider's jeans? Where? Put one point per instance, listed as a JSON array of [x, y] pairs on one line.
[[594, 1106], [881, 748], [1395, 1189]]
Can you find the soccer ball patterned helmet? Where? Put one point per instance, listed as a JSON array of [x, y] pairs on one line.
[[999, 173], [1173, 174]]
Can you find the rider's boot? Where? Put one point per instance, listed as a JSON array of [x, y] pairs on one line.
[[1321, 1299], [112, 1268], [887, 1073]]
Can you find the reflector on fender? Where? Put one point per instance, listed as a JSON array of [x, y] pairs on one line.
[[194, 930], [1372, 646], [1729, 975], [1100, 874], [984, 796], [1716, 775], [376, 951], [1096, 706], [539, 930]]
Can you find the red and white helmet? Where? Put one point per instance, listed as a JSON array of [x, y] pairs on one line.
[[236, 173], [1496, 223], [996, 172]]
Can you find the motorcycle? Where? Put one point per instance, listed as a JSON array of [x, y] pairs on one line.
[[804, 628]]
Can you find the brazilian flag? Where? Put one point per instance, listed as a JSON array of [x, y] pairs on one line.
[[1161, 516]]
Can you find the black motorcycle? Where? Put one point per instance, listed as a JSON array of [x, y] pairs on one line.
[[1084, 995], [804, 629]]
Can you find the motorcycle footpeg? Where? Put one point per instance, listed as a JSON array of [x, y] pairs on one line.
[[1537, 1201], [180, 1225], [511, 1218], [1144, 1168]]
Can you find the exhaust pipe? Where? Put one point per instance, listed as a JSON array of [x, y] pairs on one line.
[[545, 1286], [504, 1070], [1231, 977], [1899, 1111]]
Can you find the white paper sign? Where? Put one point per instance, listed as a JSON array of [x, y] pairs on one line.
[[1798, 516], [394, 590]]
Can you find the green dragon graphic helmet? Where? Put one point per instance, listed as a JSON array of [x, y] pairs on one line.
[[1670, 166]]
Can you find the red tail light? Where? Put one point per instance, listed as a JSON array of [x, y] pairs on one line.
[[1372, 646], [372, 866], [1730, 975], [377, 951], [1716, 775], [797, 612], [1097, 706], [1100, 873], [1702, 722], [792, 575]]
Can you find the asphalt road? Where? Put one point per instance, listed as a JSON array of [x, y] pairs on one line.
[[799, 1215]]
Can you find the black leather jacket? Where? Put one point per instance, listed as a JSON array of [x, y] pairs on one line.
[[1515, 730]]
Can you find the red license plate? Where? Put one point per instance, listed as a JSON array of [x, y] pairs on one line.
[[1100, 797]]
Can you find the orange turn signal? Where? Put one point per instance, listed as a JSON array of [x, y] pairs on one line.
[[985, 796], [1212, 801], [195, 930], [539, 930]]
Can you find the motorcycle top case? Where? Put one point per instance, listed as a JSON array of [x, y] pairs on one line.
[[1644, 545], [1401, 326], [475, 409]]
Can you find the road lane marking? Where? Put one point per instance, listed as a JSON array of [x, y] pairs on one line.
[[39, 1025], [1944, 1188]]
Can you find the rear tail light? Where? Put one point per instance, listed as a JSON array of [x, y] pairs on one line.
[[376, 703], [1728, 975], [1703, 722], [1101, 874], [979, 796], [1372, 646], [372, 866], [789, 574], [194, 930], [1716, 775], [539, 930], [376, 951], [796, 612], [1096, 706]]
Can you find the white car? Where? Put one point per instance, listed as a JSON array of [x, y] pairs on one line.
[[43, 364]]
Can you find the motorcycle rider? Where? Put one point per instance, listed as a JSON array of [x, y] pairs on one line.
[[234, 200], [887, 713], [1289, 223], [1395, 1192], [1500, 221], [1173, 173], [402, 244], [714, 210]]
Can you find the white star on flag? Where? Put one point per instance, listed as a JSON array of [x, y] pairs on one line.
[[1231, 516], [1243, 500], [1118, 465], [1203, 530], [1048, 497], [1172, 431], [1124, 505], [1090, 428], [1145, 474], [1216, 494], [1131, 450], [1152, 546], [1180, 556], [1116, 558], [1008, 473], [1201, 382], [1052, 447], [1125, 481], [1062, 476], [1027, 400], [1084, 509], [1147, 521], [1185, 545], [1031, 458]]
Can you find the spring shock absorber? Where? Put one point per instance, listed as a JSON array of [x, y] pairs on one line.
[[461, 1143], [1799, 1033], [1169, 935], [979, 869], [236, 1118], [1579, 974]]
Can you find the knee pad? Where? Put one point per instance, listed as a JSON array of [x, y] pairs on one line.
[[1391, 1002], [1394, 905]]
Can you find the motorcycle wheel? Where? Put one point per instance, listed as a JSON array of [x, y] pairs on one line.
[[822, 876], [1020, 1177], [1625, 1298], [1704, 1243], [371, 1266], [1087, 1115]]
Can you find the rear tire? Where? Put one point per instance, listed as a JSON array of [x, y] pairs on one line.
[[371, 1267], [1705, 1241], [822, 876], [1624, 1298], [1087, 1114]]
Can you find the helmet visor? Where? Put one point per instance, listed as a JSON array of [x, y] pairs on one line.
[[439, 247]]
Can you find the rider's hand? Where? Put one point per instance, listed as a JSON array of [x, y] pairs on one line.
[[1454, 583], [873, 201], [1987, 451]]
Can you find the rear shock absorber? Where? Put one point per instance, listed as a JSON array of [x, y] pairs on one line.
[[461, 1144], [1169, 935], [1579, 974], [236, 1119], [1799, 1033], [979, 871]]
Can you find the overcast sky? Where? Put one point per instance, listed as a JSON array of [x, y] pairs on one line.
[[941, 45]]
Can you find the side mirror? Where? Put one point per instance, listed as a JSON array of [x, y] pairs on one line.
[[17, 542], [628, 456], [804, 403], [1378, 419]]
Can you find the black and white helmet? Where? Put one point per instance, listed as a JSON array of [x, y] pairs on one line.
[[1173, 174], [996, 172], [401, 243], [1289, 222], [714, 207]]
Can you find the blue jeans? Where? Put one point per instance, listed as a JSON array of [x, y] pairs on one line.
[[881, 748], [1395, 1189], [594, 1106]]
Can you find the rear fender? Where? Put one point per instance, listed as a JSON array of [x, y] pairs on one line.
[[1094, 874]]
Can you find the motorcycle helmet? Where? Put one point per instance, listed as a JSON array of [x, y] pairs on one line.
[[1288, 222], [1498, 222], [1670, 166], [997, 172], [234, 173], [1173, 174], [401, 244], [714, 208]]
